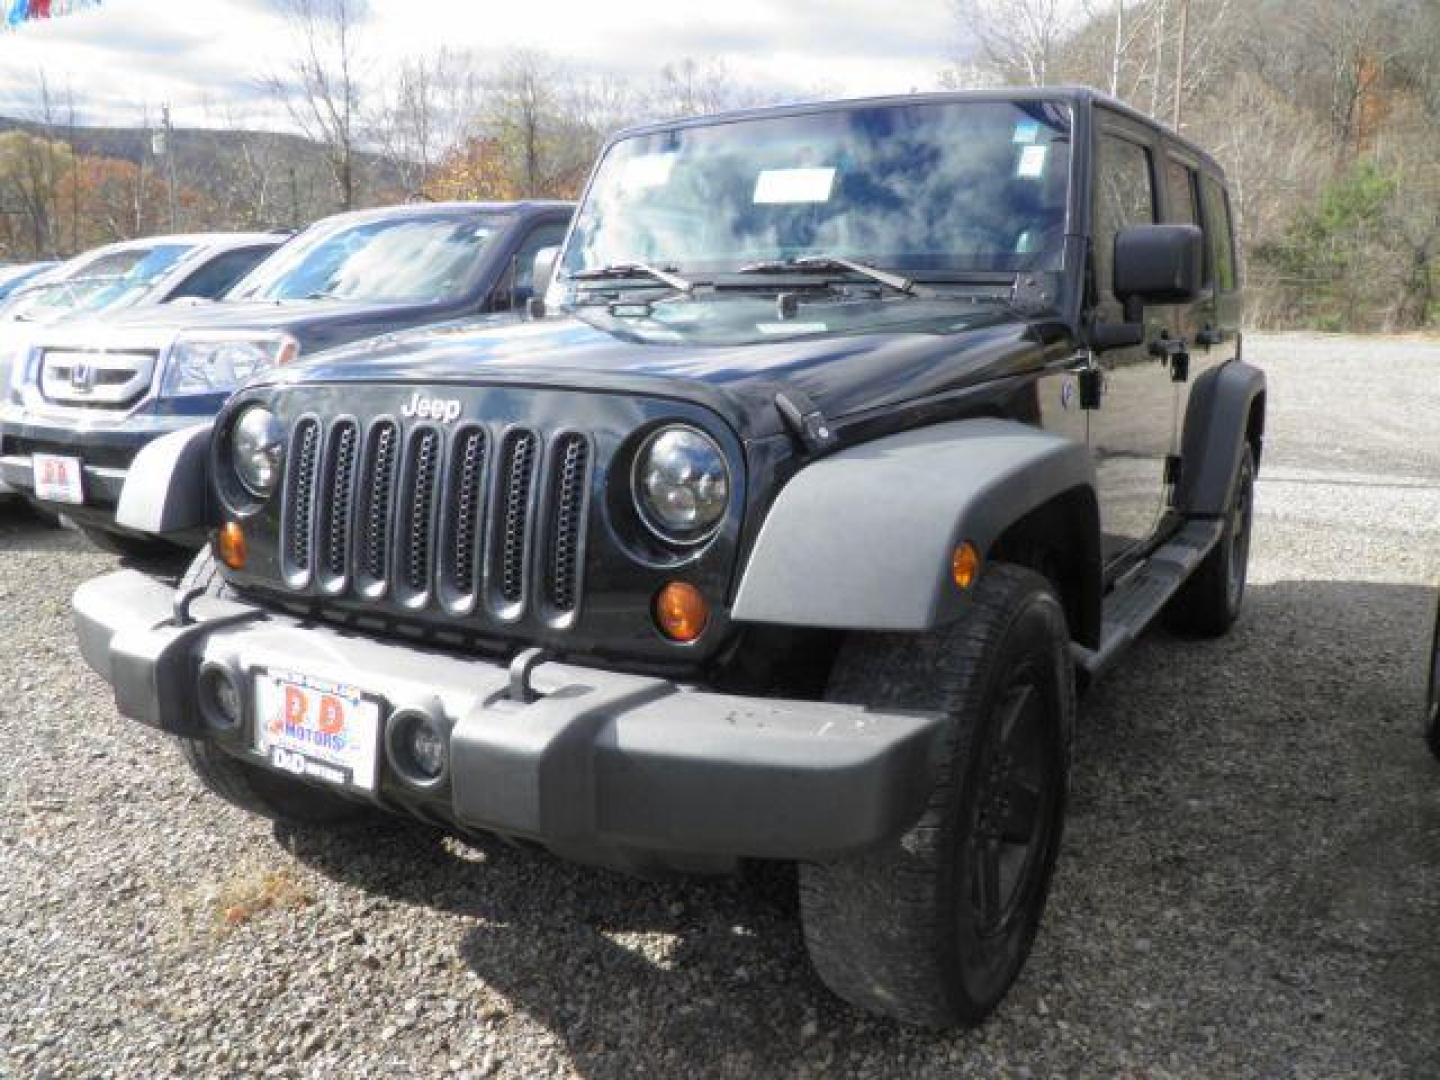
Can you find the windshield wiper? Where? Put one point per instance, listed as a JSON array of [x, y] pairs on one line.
[[898, 282], [631, 269]]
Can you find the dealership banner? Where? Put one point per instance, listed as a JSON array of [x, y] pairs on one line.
[[16, 12]]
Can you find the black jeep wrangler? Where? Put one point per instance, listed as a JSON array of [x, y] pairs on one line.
[[852, 438]]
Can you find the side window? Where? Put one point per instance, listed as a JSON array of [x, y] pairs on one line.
[[1124, 195], [1180, 187], [216, 276], [1221, 235], [517, 281]]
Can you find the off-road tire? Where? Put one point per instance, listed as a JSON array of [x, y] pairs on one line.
[[246, 786], [1208, 604], [896, 929]]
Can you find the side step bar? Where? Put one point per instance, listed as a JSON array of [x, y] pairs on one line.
[[1133, 604]]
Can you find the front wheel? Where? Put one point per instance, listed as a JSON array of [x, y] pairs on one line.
[[934, 926]]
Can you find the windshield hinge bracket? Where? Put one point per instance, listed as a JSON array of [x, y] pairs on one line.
[[805, 421]]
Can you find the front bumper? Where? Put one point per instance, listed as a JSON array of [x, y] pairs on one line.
[[599, 766], [105, 445]]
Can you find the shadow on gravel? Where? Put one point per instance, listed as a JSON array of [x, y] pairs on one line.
[[22, 529], [1250, 884]]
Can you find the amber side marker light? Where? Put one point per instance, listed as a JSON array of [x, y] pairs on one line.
[[964, 566], [230, 545], [681, 612]]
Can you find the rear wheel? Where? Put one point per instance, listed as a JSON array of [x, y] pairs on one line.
[[934, 926], [240, 783], [1208, 604]]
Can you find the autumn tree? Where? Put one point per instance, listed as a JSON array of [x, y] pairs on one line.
[[321, 91]]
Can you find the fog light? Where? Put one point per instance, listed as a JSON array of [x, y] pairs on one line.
[[427, 749], [230, 545], [419, 749], [681, 611], [221, 702]]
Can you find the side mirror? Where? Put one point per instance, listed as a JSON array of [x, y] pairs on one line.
[[1157, 264], [543, 269]]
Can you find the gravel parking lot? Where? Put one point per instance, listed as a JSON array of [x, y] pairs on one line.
[[1250, 884]]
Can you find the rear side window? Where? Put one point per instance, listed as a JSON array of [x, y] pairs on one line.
[[216, 276], [1124, 195], [1180, 187], [1221, 236]]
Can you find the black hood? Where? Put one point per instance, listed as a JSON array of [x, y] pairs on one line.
[[732, 353]]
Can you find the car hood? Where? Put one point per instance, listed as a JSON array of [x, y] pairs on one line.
[[734, 355], [314, 323]]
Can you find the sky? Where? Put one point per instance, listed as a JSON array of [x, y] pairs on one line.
[[205, 57]]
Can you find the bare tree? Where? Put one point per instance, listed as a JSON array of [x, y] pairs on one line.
[[1018, 39], [426, 108], [321, 92]]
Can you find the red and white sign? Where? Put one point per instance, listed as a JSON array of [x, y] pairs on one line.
[[58, 479], [317, 729]]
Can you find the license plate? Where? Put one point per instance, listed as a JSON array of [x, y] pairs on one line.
[[322, 730], [58, 479]]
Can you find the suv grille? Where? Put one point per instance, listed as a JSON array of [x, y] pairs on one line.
[[471, 520], [95, 380]]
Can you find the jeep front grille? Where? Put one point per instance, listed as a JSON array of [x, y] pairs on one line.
[[475, 520]]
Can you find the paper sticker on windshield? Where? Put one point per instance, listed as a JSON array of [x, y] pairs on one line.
[[1026, 131], [647, 171], [794, 185], [1032, 162]]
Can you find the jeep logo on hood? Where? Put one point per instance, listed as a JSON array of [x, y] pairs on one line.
[[431, 408]]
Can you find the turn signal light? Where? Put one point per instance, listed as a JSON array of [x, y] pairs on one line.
[[964, 566], [681, 612], [230, 545]]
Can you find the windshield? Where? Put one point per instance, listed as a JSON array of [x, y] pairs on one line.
[[943, 187], [421, 257], [105, 282]]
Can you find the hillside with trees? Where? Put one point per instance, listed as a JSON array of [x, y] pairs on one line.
[[1322, 112]]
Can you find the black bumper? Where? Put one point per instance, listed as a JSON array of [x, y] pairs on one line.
[[105, 453], [601, 766]]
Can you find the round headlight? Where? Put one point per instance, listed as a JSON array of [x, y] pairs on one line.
[[257, 445], [681, 484]]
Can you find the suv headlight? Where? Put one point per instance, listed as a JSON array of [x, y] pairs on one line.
[[257, 447], [681, 484], [214, 364]]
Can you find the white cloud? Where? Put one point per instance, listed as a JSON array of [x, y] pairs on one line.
[[205, 57]]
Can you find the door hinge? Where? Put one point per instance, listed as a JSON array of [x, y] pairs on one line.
[[1172, 469]]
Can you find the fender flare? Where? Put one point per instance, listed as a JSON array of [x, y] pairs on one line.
[[1217, 419], [167, 489], [863, 539]]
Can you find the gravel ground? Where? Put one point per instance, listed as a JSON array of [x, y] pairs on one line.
[[1250, 884]]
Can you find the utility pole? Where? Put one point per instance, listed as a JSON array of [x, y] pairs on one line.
[[1180, 62], [1115, 55], [168, 142]]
